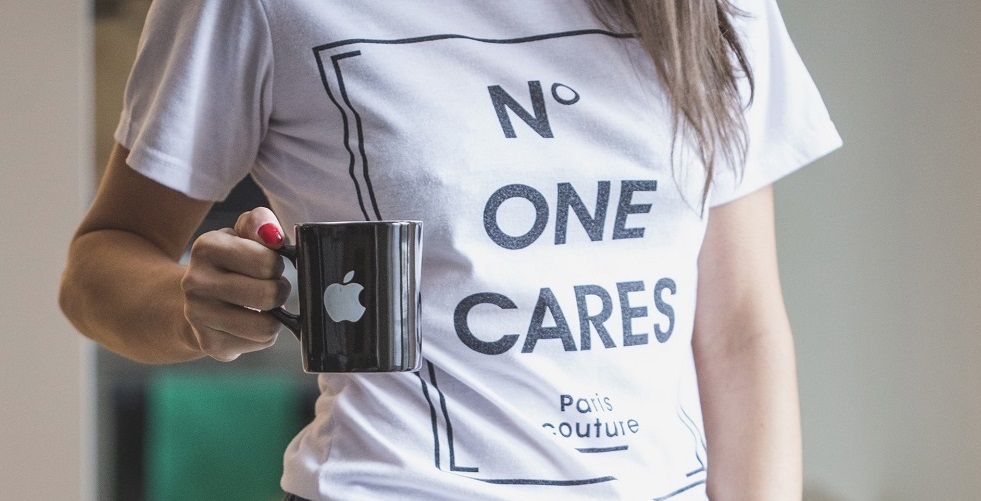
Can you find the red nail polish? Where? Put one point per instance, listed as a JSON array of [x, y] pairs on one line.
[[270, 234]]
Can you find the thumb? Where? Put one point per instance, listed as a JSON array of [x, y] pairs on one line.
[[261, 225]]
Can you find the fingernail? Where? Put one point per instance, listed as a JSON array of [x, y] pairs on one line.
[[270, 234]]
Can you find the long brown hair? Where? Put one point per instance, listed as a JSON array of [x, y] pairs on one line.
[[699, 60]]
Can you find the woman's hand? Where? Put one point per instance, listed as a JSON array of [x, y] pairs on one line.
[[232, 278]]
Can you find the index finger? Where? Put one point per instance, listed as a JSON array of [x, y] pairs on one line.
[[261, 225]]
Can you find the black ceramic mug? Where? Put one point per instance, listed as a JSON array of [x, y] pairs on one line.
[[358, 285]]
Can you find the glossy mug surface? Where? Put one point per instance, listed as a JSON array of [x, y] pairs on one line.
[[358, 285]]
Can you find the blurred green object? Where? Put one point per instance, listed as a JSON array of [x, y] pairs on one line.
[[218, 437]]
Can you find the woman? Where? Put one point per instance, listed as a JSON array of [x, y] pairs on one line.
[[594, 179]]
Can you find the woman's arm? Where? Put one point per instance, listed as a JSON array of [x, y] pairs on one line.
[[744, 357], [125, 288]]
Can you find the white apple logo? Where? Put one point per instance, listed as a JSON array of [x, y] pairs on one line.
[[342, 302]]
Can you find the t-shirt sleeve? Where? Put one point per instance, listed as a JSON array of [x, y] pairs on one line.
[[197, 102], [787, 123]]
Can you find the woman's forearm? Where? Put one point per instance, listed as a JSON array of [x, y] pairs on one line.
[[124, 293], [744, 357], [125, 288], [751, 411]]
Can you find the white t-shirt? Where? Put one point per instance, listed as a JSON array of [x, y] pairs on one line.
[[559, 268]]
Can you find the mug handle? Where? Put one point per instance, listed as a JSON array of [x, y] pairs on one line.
[[291, 321]]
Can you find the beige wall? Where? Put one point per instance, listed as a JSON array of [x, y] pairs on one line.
[[881, 251], [45, 174]]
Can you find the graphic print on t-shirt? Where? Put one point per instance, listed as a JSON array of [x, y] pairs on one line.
[[532, 112]]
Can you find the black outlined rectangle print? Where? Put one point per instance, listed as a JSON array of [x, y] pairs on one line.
[[331, 60], [339, 64]]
